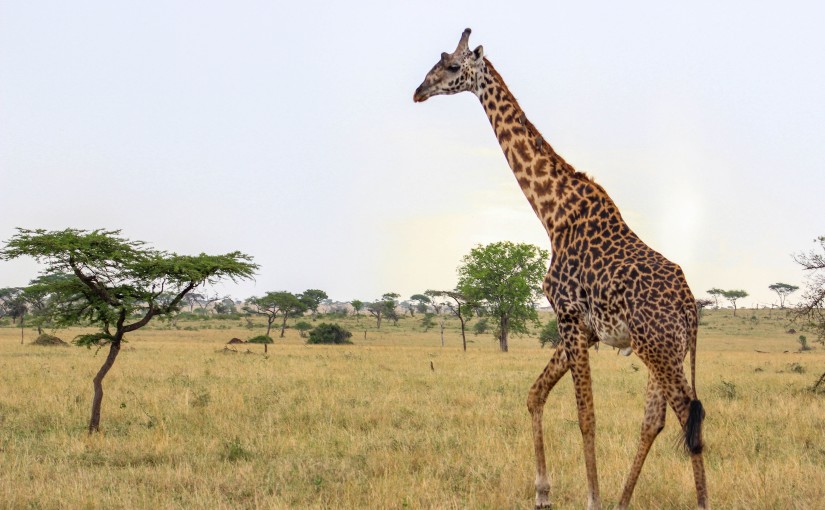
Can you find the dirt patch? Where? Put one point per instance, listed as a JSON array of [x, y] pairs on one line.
[[236, 341], [46, 339]]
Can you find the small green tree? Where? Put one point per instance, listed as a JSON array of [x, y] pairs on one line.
[[357, 306], [384, 308], [783, 290], [272, 305], [303, 327], [461, 307], [420, 302], [262, 339], [427, 321], [312, 298], [13, 304], [550, 334], [701, 304], [505, 278], [732, 296], [114, 284], [481, 326], [329, 334], [716, 294]]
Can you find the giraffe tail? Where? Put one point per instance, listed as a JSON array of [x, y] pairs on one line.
[[696, 413]]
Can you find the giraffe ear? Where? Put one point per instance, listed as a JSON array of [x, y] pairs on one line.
[[478, 53]]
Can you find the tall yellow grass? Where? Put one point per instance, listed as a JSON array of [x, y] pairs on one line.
[[187, 424]]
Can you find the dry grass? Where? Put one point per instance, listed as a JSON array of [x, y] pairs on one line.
[[187, 425]]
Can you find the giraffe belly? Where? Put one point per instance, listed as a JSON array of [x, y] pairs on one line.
[[615, 334]]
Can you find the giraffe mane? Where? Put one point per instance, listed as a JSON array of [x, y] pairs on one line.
[[533, 129]]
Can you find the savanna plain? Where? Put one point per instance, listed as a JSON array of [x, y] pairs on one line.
[[393, 421]]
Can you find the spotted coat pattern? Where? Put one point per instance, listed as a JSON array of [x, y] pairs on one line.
[[604, 283]]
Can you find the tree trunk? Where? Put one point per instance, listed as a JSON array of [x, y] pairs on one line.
[[94, 422], [283, 325], [463, 336], [441, 326], [269, 321], [502, 339], [21, 330]]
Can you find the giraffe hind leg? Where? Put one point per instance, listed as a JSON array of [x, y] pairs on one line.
[[653, 423], [536, 399], [681, 398]]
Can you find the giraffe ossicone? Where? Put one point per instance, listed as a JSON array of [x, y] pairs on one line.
[[604, 283]]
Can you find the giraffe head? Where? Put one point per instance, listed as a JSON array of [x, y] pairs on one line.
[[455, 72]]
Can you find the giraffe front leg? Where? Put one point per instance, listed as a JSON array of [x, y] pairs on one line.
[[580, 369], [536, 399]]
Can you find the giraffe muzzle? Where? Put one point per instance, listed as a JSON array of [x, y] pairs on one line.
[[419, 96]]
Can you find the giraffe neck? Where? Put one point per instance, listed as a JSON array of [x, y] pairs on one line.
[[559, 195]]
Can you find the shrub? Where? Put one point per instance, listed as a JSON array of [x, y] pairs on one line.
[[302, 328], [427, 321], [550, 334], [481, 327], [329, 334], [803, 343], [261, 339]]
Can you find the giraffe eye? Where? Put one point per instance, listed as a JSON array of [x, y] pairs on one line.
[[453, 68]]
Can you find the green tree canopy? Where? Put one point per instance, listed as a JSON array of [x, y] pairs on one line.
[[505, 278], [357, 306], [101, 279], [783, 290], [460, 306], [312, 298], [329, 334], [716, 294], [281, 304], [732, 296], [420, 302]]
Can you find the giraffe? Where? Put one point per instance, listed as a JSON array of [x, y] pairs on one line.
[[604, 283]]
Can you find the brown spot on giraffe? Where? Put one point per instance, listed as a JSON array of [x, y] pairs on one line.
[[604, 282]]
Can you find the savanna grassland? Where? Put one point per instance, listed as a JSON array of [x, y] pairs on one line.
[[188, 424]]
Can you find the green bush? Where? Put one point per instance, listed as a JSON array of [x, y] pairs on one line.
[[303, 327], [261, 339], [329, 334], [481, 327], [550, 334]]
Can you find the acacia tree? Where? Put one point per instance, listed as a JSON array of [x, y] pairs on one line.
[[460, 306], [13, 304], [701, 304], [716, 294], [812, 304], [783, 290], [281, 304], [505, 278], [384, 308], [105, 280], [357, 306], [311, 298], [420, 302], [732, 296]]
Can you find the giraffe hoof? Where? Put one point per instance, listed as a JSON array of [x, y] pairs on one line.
[[543, 502]]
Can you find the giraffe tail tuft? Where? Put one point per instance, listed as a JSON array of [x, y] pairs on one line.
[[693, 427]]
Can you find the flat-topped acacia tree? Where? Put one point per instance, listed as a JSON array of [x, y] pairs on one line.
[[101, 279]]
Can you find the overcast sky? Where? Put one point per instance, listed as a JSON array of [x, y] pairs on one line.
[[287, 130]]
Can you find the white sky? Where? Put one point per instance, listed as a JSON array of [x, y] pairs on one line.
[[287, 130]]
